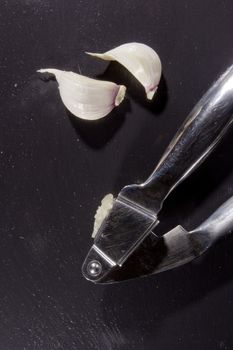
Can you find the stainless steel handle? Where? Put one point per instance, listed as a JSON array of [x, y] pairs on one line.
[[197, 137], [218, 224]]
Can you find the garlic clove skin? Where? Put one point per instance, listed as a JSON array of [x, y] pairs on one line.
[[102, 212], [87, 98], [141, 60]]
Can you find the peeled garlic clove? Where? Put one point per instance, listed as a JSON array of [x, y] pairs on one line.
[[87, 98], [141, 60], [102, 212]]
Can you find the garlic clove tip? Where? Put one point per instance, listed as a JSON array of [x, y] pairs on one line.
[[120, 95], [150, 93]]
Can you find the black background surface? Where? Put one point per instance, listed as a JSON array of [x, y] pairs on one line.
[[55, 169]]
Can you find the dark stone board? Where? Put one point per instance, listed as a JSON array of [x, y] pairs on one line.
[[55, 169]]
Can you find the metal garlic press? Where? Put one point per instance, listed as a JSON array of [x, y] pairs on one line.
[[125, 245]]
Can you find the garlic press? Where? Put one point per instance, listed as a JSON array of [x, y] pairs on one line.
[[126, 244]]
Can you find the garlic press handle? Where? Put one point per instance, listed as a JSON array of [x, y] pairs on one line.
[[202, 130], [219, 224]]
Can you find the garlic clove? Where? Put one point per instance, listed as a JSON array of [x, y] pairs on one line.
[[87, 98], [141, 60], [102, 212]]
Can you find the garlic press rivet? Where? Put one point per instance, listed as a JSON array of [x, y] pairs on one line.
[[94, 268]]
